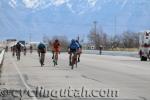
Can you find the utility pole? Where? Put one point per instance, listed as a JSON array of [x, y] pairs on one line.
[[115, 31], [95, 27], [96, 39], [115, 25], [78, 38], [30, 37]]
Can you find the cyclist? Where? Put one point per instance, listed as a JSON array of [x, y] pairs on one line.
[[18, 50], [6, 49], [13, 50], [79, 51], [100, 49], [56, 50], [31, 48], [38, 51], [72, 49], [25, 50], [42, 51]]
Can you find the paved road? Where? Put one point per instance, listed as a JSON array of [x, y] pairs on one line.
[[127, 76]]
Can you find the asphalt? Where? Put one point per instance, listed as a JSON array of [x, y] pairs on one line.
[[128, 77]]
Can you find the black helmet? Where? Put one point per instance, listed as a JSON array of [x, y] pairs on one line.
[[56, 40], [73, 41]]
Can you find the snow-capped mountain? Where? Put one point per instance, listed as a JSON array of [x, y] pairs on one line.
[[71, 17]]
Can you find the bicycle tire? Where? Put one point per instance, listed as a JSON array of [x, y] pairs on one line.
[[54, 62], [76, 63], [41, 62], [73, 62], [72, 66]]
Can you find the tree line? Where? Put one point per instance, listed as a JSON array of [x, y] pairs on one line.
[[99, 38], [127, 39]]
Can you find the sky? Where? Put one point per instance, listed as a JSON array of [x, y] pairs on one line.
[[22, 19]]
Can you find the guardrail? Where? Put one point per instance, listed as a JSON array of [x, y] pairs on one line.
[[113, 53], [2, 57]]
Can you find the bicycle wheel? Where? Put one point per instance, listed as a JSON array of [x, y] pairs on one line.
[[72, 66], [54, 61], [41, 62], [76, 63], [72, 62], [42, 59], [18, 56]]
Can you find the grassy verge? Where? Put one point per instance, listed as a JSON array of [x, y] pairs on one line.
[[124, 49]]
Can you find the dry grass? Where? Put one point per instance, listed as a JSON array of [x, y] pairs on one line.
[[124, 49]]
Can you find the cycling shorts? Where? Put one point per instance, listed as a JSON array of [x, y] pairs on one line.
[[56, 50], [73, 50]]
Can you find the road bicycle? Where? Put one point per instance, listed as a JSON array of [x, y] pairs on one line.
[[42, 56], [74, 60], [55, 58], [18, 55]]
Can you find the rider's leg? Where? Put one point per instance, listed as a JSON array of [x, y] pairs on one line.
[[52, 54], [56, 56], [79, 57], [70, 58], [19, 54], [75, 57], [42, 58], [39, 53]]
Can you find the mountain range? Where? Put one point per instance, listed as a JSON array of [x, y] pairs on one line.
[[22, 18]]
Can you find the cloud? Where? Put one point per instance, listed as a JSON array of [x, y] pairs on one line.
[[58, 2], [92, 3], [124, 3], [70, 7], [43, 3], [13, 3], [32, 3]]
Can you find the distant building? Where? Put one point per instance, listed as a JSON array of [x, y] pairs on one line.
[[3, 44], [35, 45], [10, 42], [89, 46]]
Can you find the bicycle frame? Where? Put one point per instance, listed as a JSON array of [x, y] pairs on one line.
[[42, 57], [18, 55], [55, 58], [74, 60]]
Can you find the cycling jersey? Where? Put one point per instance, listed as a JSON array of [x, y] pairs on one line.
[[56, 47], [42, 48], [18, 47]]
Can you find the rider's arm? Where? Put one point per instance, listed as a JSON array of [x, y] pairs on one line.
[[59, 48], [68, 49], [45, 49]]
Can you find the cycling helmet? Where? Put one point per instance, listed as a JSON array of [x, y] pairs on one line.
[[73, 40], [56, 40]]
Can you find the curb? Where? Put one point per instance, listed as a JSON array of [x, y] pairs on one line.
[[2, 58]]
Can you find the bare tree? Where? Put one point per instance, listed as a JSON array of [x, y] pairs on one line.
[[46, 39], [130, 39], [97, 37], [116, 40]]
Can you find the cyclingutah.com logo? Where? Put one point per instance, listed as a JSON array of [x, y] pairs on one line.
[[40, 92]]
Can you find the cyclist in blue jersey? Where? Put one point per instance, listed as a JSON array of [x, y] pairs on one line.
[[72, 50]]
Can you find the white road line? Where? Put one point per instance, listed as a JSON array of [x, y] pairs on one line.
[[22, 79]]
